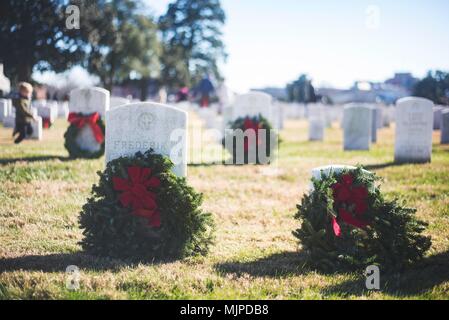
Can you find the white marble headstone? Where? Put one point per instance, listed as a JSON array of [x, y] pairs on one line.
[[437, 110], [63, 110], [445, 126], [317, 122], [37, 129], [357, 123], [208, 115], [252, 104], [5, 83], [10, 120], [49, 111], [374, 118], [141, 126], [325, 171], [89, 100], [317, 173], [414, 124], [3, 109]]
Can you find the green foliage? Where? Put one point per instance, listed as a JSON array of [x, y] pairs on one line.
[[33, 35], [192, 41], [392, 240], [119, 40], [435, 87], [111, 230], [75, 151], [239, 123]]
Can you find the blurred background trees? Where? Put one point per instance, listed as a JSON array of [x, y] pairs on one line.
[[117, 40], [33, 36], [191, 33], [301, 90], [435, 87]]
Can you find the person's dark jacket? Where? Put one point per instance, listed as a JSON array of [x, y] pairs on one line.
[[23, 110]]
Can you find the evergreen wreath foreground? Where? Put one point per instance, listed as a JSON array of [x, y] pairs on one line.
[[141, 210], [346, 224], [254, 123], [77, 122]]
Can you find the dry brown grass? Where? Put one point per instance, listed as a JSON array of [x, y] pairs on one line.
[[255, 255]]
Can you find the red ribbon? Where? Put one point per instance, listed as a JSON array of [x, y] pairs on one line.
[[91, 120], [135, 194], [251, 125], [46, 123], [354, 198]]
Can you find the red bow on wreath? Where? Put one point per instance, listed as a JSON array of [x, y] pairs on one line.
[[46, 123], [135, 194], [254, 125], [80, 121], [349, 198]]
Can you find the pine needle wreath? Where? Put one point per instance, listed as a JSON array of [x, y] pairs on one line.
[[346, 224], [141, 210], [74, 149], [254, 123]]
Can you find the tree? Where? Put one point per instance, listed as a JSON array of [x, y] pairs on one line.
[[301, 90], [191, 33], [33, 35], [120, 41], [435, 87]]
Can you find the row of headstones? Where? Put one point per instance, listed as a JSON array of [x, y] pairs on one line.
[[249, 104], [140, 126], [8, 118], [134, 127], [414, 126], [321, 117], [41, 109], [253, 104]]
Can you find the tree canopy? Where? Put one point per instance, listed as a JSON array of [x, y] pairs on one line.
[[435, 87], [116, 40], [191, 33], [33, 35]]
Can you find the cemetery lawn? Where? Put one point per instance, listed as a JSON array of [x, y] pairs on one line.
[[255, 255]]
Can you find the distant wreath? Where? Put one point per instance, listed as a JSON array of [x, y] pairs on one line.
[[141, 210], [77, 122], [346, 223], [255, 123]]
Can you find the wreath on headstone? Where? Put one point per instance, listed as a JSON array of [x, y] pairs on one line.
[[141, 210], [261, 129], [347, 224], [77, 122]]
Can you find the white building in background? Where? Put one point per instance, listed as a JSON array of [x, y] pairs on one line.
[[365, 92]]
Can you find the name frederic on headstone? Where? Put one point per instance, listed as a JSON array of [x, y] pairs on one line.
[[141, 126]]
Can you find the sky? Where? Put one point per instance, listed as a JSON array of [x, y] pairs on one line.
[[272, 42], [335, 42]]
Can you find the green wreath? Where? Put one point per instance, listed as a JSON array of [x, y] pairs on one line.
[[75, 151], [346, 224], [141, 210], [254, 123]]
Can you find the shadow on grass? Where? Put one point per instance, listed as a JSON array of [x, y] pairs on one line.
[[59, 262], [382, 165], [206, 164], [33, 159], [419, 279], [277, 265]]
